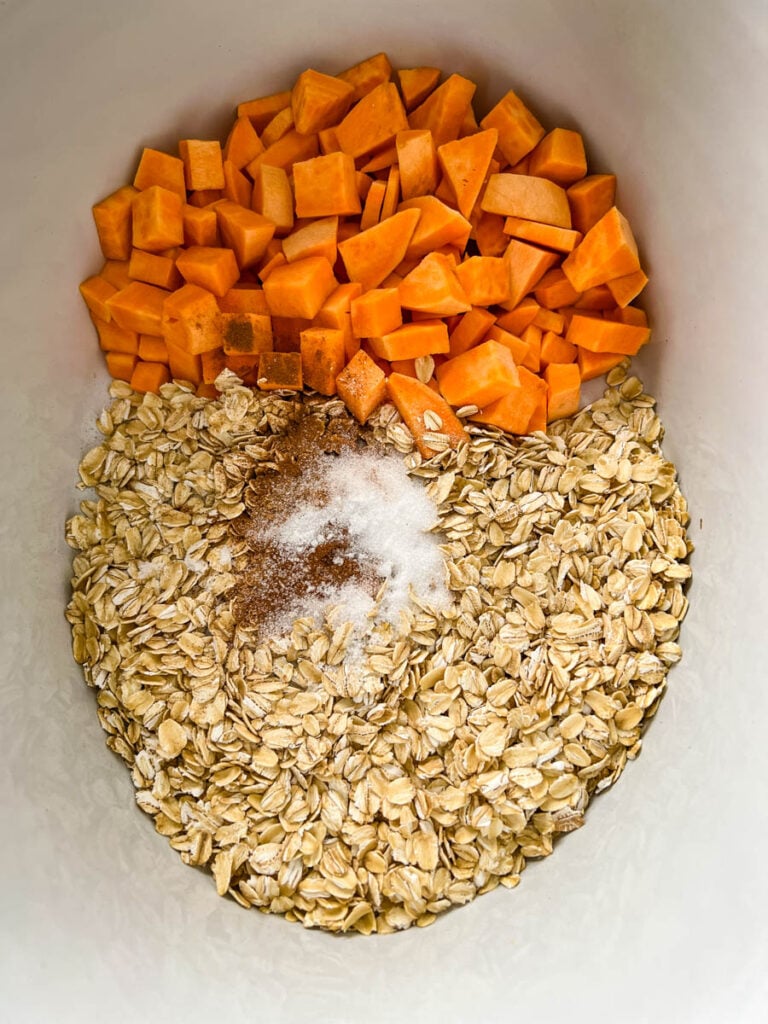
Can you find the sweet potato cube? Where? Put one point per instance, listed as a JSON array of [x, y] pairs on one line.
[[95, 291], [416, 84], [184, 366], [560, 157], [479, 376], [427, 337], [284, 153], [282, 123], [149, 376], [373, 254], [323, 356], [595, 364], [438, 225], [326, 186], [121, 365], [365, 76], [484, 279], [112, 217], [590, 199], [261, 110], [512, 412], [373, 122], [444, 110], [518, 129], [244, 298], [153, 269], [317, 238], [465, 164], [190, 320], [376, 312], [157, 168], [362, 386], [237, 187], [158, 219], [433, 287], [606, 335], [299, 289], [243, 143], [245, 232], [470, 330], [563, 390], [628, 287], [152, 349], [319, 101], [113, 338], [138, 307], [417, 161], [528, 197], [608, 250], [203, 163], [210, 267], [272, 197], [280, 371], [200, 226]]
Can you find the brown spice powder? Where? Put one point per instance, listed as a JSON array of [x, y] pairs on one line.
[[275, 579]]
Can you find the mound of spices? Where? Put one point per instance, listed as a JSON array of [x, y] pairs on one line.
[[335, 520]]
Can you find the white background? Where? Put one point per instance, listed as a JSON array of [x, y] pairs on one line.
[[656, 910]]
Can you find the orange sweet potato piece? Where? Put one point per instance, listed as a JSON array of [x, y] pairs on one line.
[[205, 390], [245, 333], [417, 160], [563, 390], [373, 122], [528, 197], [113, 338], [149, 376], [244, 299], [438, 225], [590, 199], [189, 320], [560, 157], [376, 312], [268, 265], [465, 164], [416, 84], [555, 349], [549, 320], [555, 290], [261, 111], [272, 197], [627, 315], [95, 291], [286, 152], [184, 366], [336, 312], [245, 366], [412, 400], [280, 125], [470, 330], [158, 221], [286, 332], [517, 319], [112, 217], [489, 234], [152, 349], [479, 376], [427, 337], [361, 386], [237, 187], [626, 288], [434, 287], [280, 371], [373, 254], [527, 264], [512, 412], [200, 226], [243, 143], [138, 307], [547, 235], [121, 365], [323, 356], [373, 202], [443, 111], [326, 186], [319, 101], [154, 269], [299, 289], [598, 297], [485, 280], [606, 335], [608, 250], [518, 129], [116, 273], [211, 267], [157, 168], [317, 238], [595, 364], [521, 350], [203, 163], [245, 232], [204, 197], [365, 76], [532, 336], [381, 160]]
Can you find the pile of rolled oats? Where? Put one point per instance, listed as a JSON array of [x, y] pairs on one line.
[[369, 795]]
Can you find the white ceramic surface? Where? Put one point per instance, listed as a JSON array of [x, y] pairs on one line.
[[656, 910]]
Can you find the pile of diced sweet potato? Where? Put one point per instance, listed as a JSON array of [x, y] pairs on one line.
[[363, 235]]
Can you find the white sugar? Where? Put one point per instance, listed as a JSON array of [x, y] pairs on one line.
[[384, 518]]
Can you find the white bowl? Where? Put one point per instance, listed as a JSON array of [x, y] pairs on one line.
[[656, 910]]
